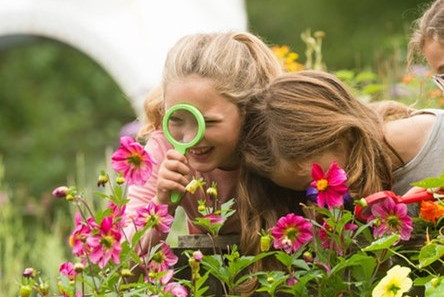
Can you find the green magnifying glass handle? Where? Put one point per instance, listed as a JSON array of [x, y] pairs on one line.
[[175, 197], [182, 147]]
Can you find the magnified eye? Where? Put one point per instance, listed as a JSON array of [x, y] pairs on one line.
[[182, 126], [176, 120]]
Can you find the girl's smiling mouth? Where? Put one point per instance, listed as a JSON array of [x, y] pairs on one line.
[[199, 151]]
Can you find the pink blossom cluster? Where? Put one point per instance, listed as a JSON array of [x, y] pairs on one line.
[[329, 189], [100, 241]]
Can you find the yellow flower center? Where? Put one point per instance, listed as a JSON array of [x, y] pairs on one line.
[[393, 221], [107, 241], [291, 233], [159, 257], [134, 159], [153, 220], [393, 288], [322, 184]]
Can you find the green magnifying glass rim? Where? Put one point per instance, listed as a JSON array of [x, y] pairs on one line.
[[183, 146]]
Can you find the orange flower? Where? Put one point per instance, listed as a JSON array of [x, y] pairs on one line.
[[408, 78], [436, 93], [280, 51], [430, 211], [287, 58]]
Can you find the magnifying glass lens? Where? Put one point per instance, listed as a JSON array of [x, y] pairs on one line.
[[183, 126]]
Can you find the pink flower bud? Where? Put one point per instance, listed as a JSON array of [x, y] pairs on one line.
[[198, 256], [60, 192], [29, 272], [307, 256]]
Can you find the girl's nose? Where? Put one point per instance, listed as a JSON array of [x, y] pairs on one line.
[[188, 136]]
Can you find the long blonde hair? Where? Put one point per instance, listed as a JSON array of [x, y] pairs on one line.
[[153, 108], [300, 115], [429, 26], [239, 64]]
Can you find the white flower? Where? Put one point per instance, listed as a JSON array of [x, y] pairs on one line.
[[394, 284]]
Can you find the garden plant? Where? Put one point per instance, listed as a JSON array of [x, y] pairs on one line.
[[328, 252], [331, 251]]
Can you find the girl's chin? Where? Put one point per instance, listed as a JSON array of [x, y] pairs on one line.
[[201, 167]]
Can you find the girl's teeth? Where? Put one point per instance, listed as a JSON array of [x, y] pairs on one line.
[[199, 151]]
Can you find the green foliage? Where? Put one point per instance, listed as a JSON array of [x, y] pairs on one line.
[[55, 102], [431, 182], [26, 241], [359, 34]]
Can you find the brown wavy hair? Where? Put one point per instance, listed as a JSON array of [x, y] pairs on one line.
[[301, 115]]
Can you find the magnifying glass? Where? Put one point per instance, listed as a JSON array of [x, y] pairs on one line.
[[183, 126]]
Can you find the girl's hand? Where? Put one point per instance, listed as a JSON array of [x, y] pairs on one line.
[[173, 175]]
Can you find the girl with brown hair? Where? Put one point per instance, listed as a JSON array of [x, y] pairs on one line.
[[310, 116]]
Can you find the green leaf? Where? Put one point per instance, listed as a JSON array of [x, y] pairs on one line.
[[200, 289], [430, 253], [345, 75], [430, 182], [366, 76], [356, 259], [101, 195], [422, 281], [301, 264], [278, 277], [300, 289], [284, 258], [382, 243], [436, 289], [214, 265], [243, 262], [373, 88]]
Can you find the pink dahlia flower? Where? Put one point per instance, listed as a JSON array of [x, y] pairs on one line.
[[105, 244], [163, 259], [156, 216], [79, 235], [391, 218], [331, 185], [176, 289], [132, 161], [291, 232], [67, 269], [118, 212]]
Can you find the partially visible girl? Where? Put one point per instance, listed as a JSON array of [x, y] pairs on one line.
[[427, 39]]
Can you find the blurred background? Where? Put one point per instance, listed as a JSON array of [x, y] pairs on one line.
[[61, 113]]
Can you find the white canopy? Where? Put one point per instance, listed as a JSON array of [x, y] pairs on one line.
[[128, 38]]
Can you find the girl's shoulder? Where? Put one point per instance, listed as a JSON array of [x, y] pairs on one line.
[[408, 135]]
